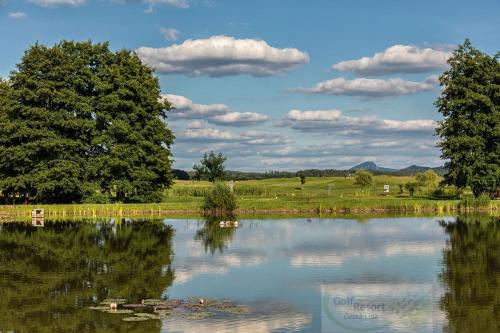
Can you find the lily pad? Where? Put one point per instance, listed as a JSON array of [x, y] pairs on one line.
[[135, 319], [99, 308], [173, 302], [120, 311], [163, 313], [153, 302], [114, 300], [196, 315], [237, 309], [135, 306], [147, 315]]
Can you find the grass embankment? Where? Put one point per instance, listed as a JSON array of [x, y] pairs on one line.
[[281, 195]]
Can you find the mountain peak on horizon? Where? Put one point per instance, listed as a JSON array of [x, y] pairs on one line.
[[370, 166]]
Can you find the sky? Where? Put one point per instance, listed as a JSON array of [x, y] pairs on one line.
[[274, 84]]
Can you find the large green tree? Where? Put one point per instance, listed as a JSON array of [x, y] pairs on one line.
[[80, 122], [470, 131]]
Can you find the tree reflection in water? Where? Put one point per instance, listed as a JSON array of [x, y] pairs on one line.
[[49, 275], [213, 236], [471, 275]]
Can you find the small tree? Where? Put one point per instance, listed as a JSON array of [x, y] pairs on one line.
[[363, 178], [428, 178], [211, 167], [401, 189], [302, 180], [411, 187]]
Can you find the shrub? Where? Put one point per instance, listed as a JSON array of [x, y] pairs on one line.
[[482, 201], [219, 200], [411, 187], [363, 178]]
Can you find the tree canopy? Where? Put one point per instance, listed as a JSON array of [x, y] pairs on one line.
[[211, 167], [80, 122], [363, 178], [470, 131]]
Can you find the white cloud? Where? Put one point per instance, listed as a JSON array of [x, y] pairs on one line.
[[195, 124], [249, 138], [17, 15], [321, 115], [169, 33], [239, 119], [369, 88], [214, 113], [186, 109], [49, 3], [397, 59], [152, 3], [222, 56], [334, 120], [207, 135], [173, 3]]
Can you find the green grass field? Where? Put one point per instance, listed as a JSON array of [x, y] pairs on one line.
[[281, 195]]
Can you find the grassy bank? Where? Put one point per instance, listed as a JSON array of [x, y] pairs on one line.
[[283, 195]]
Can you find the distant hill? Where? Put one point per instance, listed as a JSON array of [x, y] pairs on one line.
[[411, 170], [371, 166]]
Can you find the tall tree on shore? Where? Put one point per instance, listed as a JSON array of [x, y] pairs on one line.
[[470, 131], [81, 123]]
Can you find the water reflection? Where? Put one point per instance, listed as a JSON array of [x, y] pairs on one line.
[[471, 273], [48, 276], [214, 236]]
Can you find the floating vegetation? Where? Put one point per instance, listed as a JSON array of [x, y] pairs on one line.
[[110, 301], [99, 308], [135, 306], [147, 315], [163, 313], [135, 319], [194, 315], [119, 311], [156, 309], [153, 302]]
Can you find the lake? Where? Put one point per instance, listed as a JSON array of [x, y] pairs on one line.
[[382, 274]]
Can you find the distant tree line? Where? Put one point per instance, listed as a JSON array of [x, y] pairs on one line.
[[242, 175]]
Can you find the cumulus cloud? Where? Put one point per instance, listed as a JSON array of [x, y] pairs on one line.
[[369, 88], [210, 135], [17, 15], [187, 109], [213, 113], [397, 59], [169, 33], [49, 3], [195, 124], [334, 120], [222, 56], [239, 119]]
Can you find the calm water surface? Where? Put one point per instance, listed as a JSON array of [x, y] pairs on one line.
[[285, 271]]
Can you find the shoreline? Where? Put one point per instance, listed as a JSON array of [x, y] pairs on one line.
[[155, 210]]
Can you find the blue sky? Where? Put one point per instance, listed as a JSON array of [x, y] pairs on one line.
[[279, 84]]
